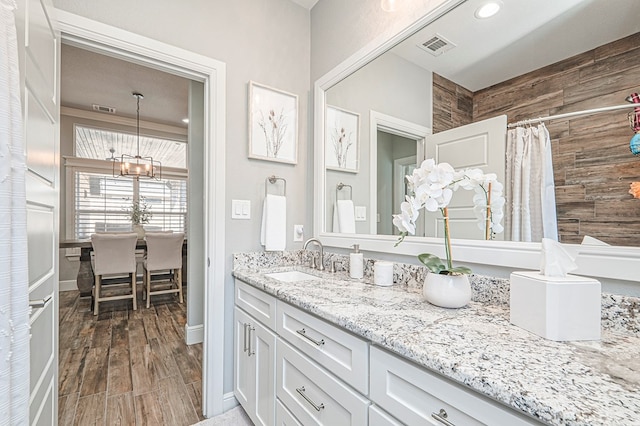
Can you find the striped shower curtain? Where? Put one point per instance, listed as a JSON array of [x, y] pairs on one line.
[[14, 303], [529, 189]]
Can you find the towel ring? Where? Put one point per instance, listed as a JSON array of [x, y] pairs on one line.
[[340, 186], [273, 179]]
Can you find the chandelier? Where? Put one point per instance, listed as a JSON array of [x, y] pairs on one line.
[[136, 166]]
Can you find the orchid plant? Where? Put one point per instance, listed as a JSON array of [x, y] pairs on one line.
[[432, 186]]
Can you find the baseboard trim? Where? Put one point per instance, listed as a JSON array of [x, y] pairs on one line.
[[194, 334], [229, 401], [67, 285]]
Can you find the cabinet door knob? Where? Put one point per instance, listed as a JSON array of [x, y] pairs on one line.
[[441, 416], [301, 391], [303, 333]]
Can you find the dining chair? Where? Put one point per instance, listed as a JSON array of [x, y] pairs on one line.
[[114, 254], [164, 254]]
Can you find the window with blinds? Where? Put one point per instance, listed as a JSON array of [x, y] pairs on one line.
[[101, 203]]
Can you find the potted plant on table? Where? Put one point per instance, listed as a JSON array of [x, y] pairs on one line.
[[432, 186], [140, 214]]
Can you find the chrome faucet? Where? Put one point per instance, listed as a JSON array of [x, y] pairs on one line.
[[320, 265]]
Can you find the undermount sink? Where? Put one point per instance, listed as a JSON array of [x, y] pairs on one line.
[[292, 276]]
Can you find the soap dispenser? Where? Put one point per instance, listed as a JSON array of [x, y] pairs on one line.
[[356, 263]]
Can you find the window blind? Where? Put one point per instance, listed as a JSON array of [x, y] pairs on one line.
[[167, 200], [101, 203]]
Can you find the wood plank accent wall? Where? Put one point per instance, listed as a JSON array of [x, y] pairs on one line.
[[593, 166], [452, 104]]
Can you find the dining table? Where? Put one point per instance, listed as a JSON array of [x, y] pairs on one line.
[[85, 276]]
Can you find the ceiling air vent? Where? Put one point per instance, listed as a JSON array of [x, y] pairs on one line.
[[100, 108], [437, 45]]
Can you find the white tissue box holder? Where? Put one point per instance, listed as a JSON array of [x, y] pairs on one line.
[[556, 308]]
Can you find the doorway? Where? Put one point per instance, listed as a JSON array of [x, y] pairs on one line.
[[111, 41], [397, 147]]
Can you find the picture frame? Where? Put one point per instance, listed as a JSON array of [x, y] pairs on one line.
[[342, 140], [273, 124]]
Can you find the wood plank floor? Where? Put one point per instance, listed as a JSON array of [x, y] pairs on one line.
[[127, 367]]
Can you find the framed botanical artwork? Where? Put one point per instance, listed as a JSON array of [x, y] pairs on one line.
[[273, 124], [342, 140]]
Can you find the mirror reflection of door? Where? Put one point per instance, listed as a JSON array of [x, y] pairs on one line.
[[397, 157], [478, 145]]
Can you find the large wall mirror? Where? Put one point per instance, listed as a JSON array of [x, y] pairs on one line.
[[535, 58]]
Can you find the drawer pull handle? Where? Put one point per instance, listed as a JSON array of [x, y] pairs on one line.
[[245, 336], [442, 417], [251, 351], [313, 404], [303, 333]]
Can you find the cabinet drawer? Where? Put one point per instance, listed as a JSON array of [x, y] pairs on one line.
[[342, 353], [314, 396], [415, 396], [257, 303], [284, 416], [377, 417]]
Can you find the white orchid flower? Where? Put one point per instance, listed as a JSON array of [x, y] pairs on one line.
[[405, 221], [471, 179]]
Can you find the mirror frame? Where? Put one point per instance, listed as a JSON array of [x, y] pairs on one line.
[[612, 262]]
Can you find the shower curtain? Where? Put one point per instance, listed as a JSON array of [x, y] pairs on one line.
[[531, 212], [14, 302]]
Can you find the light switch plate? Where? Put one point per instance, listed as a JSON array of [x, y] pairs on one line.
[[298, 233], [241, 209], [361, 213]]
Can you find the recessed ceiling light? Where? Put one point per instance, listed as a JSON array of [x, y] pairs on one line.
[[185, 120], [488, 9], [388, 5]]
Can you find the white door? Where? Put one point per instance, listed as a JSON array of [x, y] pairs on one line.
[[481, 145], [39, 46]]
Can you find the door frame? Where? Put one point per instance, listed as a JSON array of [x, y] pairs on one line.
[[395, 126], [108, 40]]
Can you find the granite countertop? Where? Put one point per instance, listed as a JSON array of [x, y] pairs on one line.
[[559, 383]]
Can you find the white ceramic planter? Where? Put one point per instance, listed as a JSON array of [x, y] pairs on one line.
[[447, 291]]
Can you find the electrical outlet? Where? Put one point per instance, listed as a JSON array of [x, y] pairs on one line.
[[298, 233]]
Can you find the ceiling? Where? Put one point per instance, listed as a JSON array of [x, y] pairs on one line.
[[525, 35], [89, 78]]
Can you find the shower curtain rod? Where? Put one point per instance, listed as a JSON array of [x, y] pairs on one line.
[[571, 114]]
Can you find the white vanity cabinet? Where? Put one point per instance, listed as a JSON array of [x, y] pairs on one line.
[[254, 353], [293, 368], [342, 353], [313, 395], [284, 416], [378, 417], [415, 395]]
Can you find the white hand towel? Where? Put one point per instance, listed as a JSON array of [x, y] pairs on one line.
[[273, 235], [344, 217]]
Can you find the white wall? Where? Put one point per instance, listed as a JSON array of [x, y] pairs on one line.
[[266, 41]]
